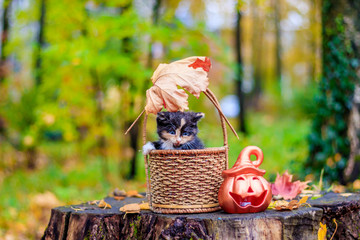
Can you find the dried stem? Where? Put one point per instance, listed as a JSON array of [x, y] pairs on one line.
[[134, 122]]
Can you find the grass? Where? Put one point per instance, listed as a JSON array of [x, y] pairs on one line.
[[282, 139]]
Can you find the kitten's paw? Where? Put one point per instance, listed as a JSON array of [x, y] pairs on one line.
[[148, 147]]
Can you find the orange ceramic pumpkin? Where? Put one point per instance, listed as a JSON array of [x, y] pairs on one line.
[[244, 189]]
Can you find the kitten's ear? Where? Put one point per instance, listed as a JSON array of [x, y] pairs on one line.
[[198, 116], [162, 116]]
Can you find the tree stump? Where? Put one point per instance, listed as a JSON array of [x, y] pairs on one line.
[[86, 221]]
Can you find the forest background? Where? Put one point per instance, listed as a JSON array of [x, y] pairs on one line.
[[73, 76]]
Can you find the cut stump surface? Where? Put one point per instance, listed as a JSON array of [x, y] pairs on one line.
[[86, 221]]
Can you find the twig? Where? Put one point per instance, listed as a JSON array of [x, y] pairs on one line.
[[131, 126], [335, 229]]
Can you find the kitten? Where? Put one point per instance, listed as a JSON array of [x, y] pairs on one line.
[[177, 130]]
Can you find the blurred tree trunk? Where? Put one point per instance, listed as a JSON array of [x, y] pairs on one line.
[[351, 13], [239, 69], [127, 49], [278, 49], [31, 154], [314, 44], [100, 137], [135, 131], [4, 38], [155, 21], [352, 170], [40, 43], [334, 142], [3, 60], [256, 53]]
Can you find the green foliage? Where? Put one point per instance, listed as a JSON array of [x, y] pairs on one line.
[[329, 145]]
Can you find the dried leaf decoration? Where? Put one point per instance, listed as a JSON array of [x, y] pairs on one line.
[[285, 188], [189, 73]]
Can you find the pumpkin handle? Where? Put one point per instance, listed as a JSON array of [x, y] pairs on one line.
[[244, 157]]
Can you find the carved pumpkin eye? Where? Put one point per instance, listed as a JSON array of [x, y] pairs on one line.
[[256, 184]]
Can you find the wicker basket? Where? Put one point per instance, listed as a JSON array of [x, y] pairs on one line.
[[186, 181]]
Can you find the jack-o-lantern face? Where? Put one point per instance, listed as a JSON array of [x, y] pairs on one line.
[[244, 189]]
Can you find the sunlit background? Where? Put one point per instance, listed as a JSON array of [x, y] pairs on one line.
[[73, 77]]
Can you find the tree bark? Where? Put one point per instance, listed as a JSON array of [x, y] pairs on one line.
[[239, 73], [256, 51], [90, 222]]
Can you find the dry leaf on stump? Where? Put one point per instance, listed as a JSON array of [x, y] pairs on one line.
[[144, 206], [294, 204], [103, 204], [134, 193], [94, 202], [131, 208], [285, 188]]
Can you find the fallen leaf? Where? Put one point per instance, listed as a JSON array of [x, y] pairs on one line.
[[281, 205], [103, 204], [94, 202], [144, 206], [189, 73], [134, 193], [77, 209], [303, 200], [131, 208], [322, 231], [287, 189], [294, 204]]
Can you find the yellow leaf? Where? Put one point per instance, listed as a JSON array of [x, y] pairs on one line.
[[322, 232], [303, 200]]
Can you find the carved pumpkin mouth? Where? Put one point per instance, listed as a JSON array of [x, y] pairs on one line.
[[250, 200]]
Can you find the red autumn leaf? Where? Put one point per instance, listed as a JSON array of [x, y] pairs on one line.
[[167, 79], [285, 188]]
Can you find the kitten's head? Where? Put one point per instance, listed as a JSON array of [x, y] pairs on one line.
[[178, 128]]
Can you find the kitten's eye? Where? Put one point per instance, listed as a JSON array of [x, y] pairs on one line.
[[186, 134], [172, 132]]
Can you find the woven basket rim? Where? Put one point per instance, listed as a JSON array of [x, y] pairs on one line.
[[188, 152]]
